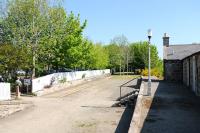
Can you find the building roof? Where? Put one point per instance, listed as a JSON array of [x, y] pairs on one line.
[[179, 52]]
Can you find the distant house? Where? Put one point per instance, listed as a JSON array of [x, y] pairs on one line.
[[182, 64]]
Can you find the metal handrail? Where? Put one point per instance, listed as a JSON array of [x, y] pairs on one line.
[[125, 84]]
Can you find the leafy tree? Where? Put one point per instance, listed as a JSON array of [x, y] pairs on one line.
[[46, 37], [140, 55], [74, 40], [24, 24], [114, 55], [100, 57], [53, 39], [86, 57], [63, 45], [123, 45], [135, 54], [51, 45], [13, 58]]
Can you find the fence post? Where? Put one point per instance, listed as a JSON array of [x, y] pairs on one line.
[[17, 92], [18, 84]]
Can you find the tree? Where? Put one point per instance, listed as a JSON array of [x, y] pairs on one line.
[[74, 40], [86, 59], [13, 58], [99, 57], [140, 55], [25, 24], [48, 37], [114, 56], [53, 38], [51, 44], [122, 42], [64, 40]]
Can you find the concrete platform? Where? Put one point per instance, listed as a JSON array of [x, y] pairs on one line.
[[172, 108]]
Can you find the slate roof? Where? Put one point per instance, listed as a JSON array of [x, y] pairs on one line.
[[179, 52]]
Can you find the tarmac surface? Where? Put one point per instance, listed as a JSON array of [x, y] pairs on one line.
[[84, 108], [174, 109]]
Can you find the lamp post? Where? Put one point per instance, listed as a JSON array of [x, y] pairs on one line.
[[149, 66]]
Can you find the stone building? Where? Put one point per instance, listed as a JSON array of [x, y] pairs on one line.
[[182, 63]]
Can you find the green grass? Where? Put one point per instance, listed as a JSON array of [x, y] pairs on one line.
[[124, 73]]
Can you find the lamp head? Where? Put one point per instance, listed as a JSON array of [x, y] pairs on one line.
[[149, 33]]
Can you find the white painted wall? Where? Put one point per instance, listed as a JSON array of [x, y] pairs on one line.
[[39, 83], [5, 91]]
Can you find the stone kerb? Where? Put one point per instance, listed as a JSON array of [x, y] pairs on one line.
[[142, 106], [135, 125]]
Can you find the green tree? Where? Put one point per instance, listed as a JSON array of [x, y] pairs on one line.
[[114, 56], [73, 40], [53, 38], [140, 55], [46, 37], [51, 46], [13, 58], [63, 45], [86, 57], [100, 57], [25, 23], [123, 45]]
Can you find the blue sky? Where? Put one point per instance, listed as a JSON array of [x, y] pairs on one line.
[[132, 18]]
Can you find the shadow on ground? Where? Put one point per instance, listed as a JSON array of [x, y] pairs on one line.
[[174, 109], [125, 120], [130, 101]]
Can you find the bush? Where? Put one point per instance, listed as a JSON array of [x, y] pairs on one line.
[[154, 72], [144, 72]]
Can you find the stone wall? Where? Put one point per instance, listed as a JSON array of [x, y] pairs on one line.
[[173, 70], [198, 74], [186, 72], [191, 71], [191, 66]]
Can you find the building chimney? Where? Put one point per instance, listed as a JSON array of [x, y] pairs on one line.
[[166, 40]]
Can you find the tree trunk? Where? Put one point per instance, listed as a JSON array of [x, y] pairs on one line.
[[120, 67], [33, 67], [127, 64]]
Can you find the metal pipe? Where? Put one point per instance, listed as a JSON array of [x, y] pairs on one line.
[[149, 71], [149, 64], [120, 92]]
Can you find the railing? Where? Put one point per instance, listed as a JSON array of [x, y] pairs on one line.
[[127, 83]]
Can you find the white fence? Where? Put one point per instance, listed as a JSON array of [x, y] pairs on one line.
[[39, 83], [5, 91]]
